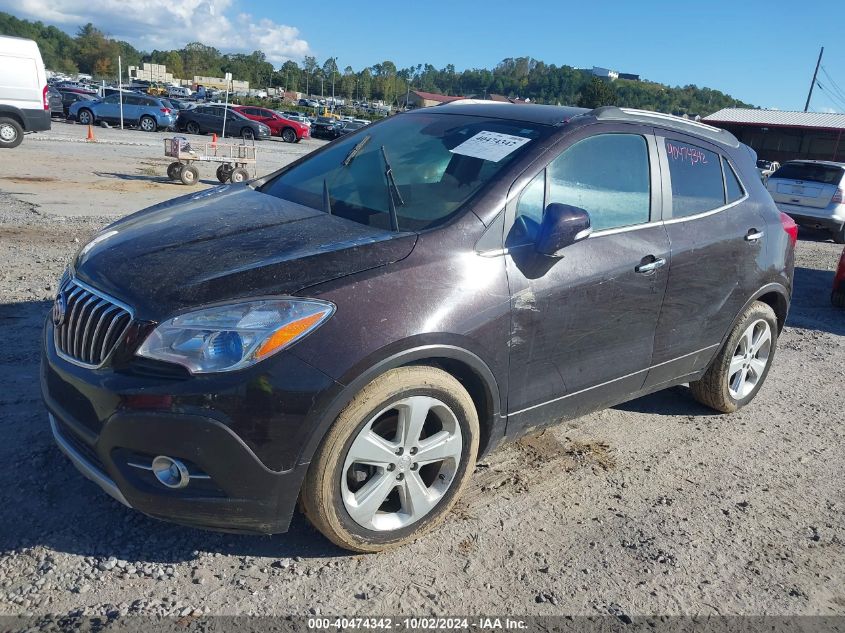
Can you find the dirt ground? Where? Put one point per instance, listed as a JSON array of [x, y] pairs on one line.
[[657, 506]]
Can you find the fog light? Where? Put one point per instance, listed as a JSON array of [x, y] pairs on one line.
[[170, 472]]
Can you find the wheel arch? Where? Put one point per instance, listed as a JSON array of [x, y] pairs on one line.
[[774, 295], [467, 367], [13, 113]]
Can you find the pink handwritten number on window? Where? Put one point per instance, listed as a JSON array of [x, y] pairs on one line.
[[691, 155]]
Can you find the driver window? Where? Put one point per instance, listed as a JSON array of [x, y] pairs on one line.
[[608, 176]]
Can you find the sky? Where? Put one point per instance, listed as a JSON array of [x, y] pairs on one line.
[[761, 52]]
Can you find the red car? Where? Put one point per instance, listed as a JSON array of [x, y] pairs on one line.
[[837, 296], [290, 131]]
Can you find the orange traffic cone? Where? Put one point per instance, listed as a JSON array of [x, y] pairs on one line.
[[91, 134], [214, 139]]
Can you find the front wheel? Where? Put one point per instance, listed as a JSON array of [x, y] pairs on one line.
[[288, 135], [239, 174], [173, 170], [85, 117], [189, 175], [394, 462], [741, 367], [248, 134]]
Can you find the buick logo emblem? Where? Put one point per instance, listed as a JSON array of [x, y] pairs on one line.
[[59, 309]]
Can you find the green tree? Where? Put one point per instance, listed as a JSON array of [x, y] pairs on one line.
[[597, 93]]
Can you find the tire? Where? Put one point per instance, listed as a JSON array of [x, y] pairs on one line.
[[85, 117], [839, 236], [189, 175], [11, 133], [173, 170], [837, 298], [248, 134], [239, 174], [224, 173], [148, 124], [722, 387], [288, 135], [335, 480], [192, 127]]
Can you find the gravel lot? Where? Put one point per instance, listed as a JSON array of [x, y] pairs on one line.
[[657, 506]]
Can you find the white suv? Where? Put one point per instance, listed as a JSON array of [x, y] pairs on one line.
[[811, 192]]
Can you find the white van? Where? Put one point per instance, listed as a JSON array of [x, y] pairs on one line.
[[24, 104], [178, 92]]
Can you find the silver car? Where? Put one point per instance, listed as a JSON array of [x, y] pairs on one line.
[[811, 192]]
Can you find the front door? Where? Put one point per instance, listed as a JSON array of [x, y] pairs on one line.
[[583, 325]]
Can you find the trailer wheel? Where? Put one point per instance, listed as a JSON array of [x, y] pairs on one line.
[[239, 175], [173, 170], [224, 172], [189, 175]]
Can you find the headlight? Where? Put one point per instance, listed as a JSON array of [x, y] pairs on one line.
[[230, 337]]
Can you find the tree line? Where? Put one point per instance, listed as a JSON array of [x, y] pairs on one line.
[[92, 52]]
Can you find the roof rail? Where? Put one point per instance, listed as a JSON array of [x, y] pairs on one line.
[[612, 113]]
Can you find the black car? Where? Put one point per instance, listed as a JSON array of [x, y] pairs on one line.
[[69, 98], [324, 127], [205, 119], [352, 331], [54, 98], [345, 127]]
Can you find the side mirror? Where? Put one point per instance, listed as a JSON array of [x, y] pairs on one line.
[[562, 226]]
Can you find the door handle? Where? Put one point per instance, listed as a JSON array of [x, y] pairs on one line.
[[753, 235], [648, 267]]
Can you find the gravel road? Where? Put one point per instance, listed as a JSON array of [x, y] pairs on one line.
[[657, 506]]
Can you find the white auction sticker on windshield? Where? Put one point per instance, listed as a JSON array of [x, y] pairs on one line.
[[492, 146]]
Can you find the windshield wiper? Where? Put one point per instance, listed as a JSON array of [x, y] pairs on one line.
[[327, 202], [355, 150], [392, 189]]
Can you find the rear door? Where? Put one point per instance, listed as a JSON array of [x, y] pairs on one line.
[[805, 184], [717, 240], [583, 325]]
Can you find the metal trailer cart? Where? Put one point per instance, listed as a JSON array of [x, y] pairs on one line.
[[233, 159]]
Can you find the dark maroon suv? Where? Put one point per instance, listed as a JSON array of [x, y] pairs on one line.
[[354, 330]]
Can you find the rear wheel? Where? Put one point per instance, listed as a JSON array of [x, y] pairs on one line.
[[189, 175], [394, 462], [741, 367], [11, 133], [288, 135], [239, 175], [192, 127], [148, 124], [85, 117], [173, 170]]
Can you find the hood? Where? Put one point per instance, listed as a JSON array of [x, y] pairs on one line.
[[228, 243]]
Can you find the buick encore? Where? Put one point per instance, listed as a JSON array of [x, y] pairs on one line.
[[352, 331]]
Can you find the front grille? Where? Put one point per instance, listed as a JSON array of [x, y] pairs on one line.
[[91, 327]]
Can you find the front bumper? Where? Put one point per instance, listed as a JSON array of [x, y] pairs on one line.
[[245, 472]]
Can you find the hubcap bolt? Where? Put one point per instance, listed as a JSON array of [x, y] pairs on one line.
[[400, 477], [400, 450], [391, 467], [414, 450], [414, 466]]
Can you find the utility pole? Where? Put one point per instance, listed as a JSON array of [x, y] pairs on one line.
[[813, 85]]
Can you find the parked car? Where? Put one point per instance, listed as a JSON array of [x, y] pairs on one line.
[[147, 113], [70, 97], [837, 295], [767, 168], [324, 127], [290, 131], [24, 98], [179, 105], [54, 98], [812, 192], [353, 330], [178, 92], [343, 128], [296, 116], [205, 119]]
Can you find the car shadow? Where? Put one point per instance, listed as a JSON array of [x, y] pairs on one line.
[[47, 502], [144, 177], [811, 308], [673, 401]]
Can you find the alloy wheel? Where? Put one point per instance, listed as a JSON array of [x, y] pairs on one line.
[[401, 463], [750, 359]]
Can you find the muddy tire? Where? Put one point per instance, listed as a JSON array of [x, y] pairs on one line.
[[189, 175], [173, 170], [394, 462], [224, 173], [239, 174], [741, 366]]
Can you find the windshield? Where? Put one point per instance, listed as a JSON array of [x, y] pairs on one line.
[[439, 161], [828, 174]]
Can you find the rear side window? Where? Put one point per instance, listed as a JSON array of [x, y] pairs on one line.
[[696, 175], [827, 174], [732, 185], [608, 176]]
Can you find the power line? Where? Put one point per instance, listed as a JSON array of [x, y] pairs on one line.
[[840, 93], [839, 103]]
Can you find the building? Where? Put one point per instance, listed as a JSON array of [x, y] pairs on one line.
[[629, 76], [219, 83], [781, 136], [419, 99], [604, 73], [504, 99], [150, 72]]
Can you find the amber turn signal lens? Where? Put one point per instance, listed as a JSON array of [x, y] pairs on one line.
[[287, 333]]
